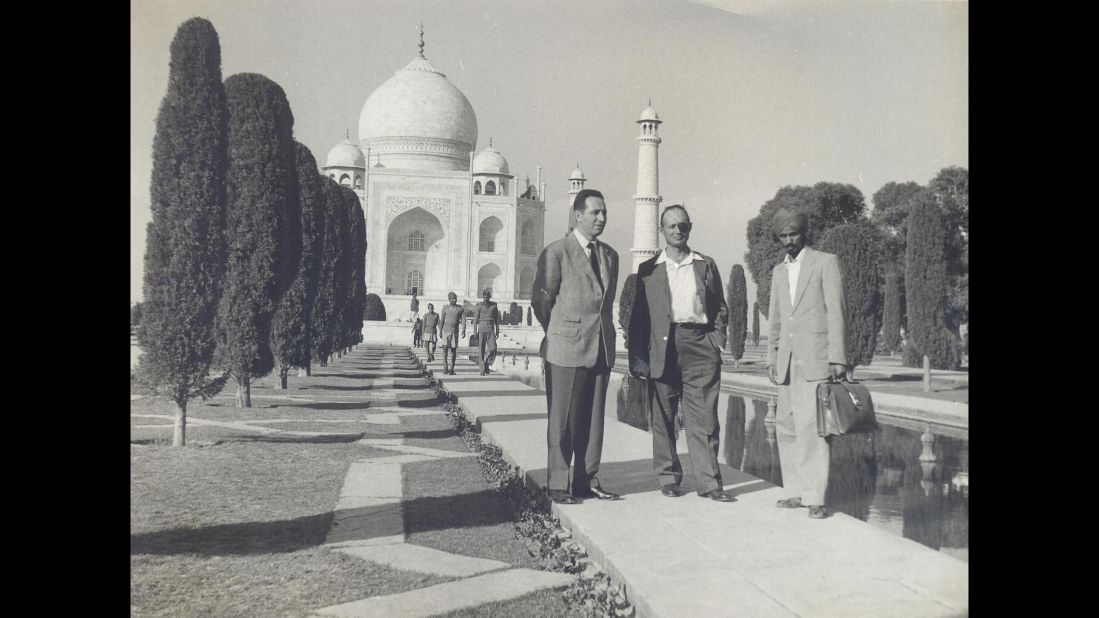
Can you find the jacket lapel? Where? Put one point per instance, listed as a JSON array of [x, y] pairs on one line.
[[579, 260], [663, 291], [782, 283], [803, 275]]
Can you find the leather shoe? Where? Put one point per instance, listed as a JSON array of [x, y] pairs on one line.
[[818, 512], [671, 491], [597, 492], [789, 503], [719, 495], [563, 497]]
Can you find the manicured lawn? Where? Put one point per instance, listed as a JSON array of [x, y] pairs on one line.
[[234, 524]]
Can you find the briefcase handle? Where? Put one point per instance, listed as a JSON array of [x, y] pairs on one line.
[[832, 380]]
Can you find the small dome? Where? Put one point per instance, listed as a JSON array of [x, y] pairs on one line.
[[490, 161], [577, 174], [345, 154], [649, 114]]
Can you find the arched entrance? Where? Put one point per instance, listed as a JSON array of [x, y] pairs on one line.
[[415, 253], [490, 276]]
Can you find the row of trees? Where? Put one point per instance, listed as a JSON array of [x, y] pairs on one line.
[[905, 265], [254, 261]]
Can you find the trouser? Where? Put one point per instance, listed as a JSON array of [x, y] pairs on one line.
[[692, 379], [802, 454], [486, 344], [450, 351], [429, 347], [575, 399]]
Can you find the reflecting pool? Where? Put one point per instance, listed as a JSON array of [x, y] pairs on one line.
[[907, 478]]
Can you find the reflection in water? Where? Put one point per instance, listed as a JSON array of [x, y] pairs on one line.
[[897, 479]]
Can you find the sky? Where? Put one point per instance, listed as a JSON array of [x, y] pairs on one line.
[[754, 95]]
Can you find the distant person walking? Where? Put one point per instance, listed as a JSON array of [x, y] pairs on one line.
[[430, 332], [486, 320], [573, 296], [417, 330], [451, 318], [806, 345], [681, 322], [414, 307]]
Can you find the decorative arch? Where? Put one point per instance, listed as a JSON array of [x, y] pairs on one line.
[[358, 181], [490, 276], [476, 187], [490, 235], [345, 180], [503, 187], [415, 242], [526, 238], [490, 188]]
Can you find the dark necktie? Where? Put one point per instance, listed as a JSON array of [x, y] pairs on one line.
[[595, 263]]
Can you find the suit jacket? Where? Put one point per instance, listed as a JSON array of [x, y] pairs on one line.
[[651, 319], [814, 327], [570, 305]]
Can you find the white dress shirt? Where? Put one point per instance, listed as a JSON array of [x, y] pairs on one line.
[[686, 298], [793, 268]]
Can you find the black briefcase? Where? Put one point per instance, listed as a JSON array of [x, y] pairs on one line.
[[474, 340], [844, 408]]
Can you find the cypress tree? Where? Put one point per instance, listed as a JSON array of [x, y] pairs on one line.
[[185, 244], [261, 182], [375, 308], [738, 311], [755, 323], [327, 311], [859, 252], [356, 307], [529, 320], [290, 329], [626, 301], [516, 313], [344, 272], [891, 313], [926, 284]]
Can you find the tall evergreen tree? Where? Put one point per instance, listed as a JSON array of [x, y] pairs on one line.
[[738, 311], [926, 282], [185, 243], [826, 204], [261, 181], [891, 313], [344, 273], [858, 248], [375, 308], [755, 323], [356, 307], [326, 307], [529, 313], [890, 214], [290, 327]]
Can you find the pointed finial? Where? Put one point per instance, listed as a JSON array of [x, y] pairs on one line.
[[490, 142], [421, 39], [347, 133], [650, 101]]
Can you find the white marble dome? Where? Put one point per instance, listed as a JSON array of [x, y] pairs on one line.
[[577, 174], [648, 114], [345, 154], [490, 161], [417, 119]]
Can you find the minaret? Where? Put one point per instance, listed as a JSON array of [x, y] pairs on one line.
[[646, 225], [576, 183]]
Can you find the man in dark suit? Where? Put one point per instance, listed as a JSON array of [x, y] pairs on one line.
[[681, 309], [572, 296]]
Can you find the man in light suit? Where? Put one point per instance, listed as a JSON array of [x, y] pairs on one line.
[[807, 344], [680, 303], [572, 296]]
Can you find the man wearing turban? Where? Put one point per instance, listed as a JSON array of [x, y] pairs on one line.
[[807, 344]]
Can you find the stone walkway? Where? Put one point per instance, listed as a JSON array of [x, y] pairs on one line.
[[691, 557]]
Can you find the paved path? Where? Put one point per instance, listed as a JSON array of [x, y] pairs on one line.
[[369, 522], [692, 557]]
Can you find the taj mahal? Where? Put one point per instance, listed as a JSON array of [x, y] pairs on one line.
[[441, 218]]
